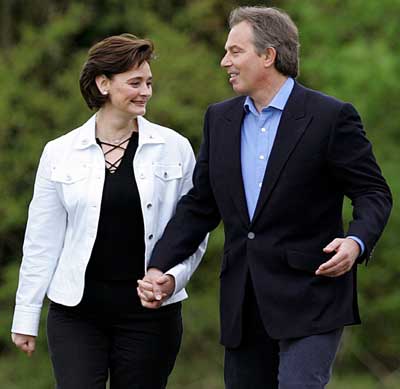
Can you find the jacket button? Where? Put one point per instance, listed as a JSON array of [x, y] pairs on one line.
[[150, 236], [251, 235], [149, 205]]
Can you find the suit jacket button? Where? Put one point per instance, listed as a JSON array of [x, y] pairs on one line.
[[251, 235]]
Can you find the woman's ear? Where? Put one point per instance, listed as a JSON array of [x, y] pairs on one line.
[[103, 84]]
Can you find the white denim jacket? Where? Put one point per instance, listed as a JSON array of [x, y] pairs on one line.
[[65, 209]]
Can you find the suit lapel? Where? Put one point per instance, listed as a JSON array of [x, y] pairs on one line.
[[293, 123], [232, 139]]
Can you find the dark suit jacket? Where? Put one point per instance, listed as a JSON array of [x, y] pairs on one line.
[[319, 156]]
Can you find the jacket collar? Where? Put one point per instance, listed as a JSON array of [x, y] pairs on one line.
[[148, 133]]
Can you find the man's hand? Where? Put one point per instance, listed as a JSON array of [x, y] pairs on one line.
[[347, 251], [155, 288], [24, 342]]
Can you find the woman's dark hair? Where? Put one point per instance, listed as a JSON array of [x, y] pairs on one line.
[[113, 55]]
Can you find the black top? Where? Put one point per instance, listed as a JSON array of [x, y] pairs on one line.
[[118, 252]]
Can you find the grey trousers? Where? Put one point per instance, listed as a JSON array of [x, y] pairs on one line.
[[264, 363], [307, 362]]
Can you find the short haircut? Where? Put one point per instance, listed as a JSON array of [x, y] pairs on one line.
[[272, 27], [113, 55]]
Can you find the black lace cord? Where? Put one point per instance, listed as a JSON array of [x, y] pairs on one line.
[[113, 166]]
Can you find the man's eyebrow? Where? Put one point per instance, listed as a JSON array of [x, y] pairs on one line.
[[234, 46]]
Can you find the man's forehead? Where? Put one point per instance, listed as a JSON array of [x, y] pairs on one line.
[[240, 34]]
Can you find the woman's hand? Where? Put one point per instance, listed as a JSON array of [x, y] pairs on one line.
[[24, 342], [155, 288]]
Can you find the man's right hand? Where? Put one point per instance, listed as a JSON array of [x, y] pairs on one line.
[[26, 343]]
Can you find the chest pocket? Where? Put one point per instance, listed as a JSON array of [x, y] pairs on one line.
[[69, 175], [168, 172], [71, 183], [167, 180]]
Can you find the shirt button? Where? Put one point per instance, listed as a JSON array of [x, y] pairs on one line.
[[261, 156], [68, 178], [165, 174], [150, 236], [263, 129], [149, 205], [142, 176], [85, 141], [251, 235]]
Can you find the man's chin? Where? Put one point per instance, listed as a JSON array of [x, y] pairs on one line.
[[238, 90]]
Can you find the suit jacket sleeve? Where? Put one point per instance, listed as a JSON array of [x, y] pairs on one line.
[[183, 271], [355, 169], [196, 214]]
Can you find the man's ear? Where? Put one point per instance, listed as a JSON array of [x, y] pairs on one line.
[[269, 57], [103, 84]]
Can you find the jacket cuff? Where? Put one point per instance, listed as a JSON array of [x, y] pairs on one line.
[[179, 272], [26, 321]]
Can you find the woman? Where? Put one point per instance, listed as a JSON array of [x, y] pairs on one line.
[[102, 197]]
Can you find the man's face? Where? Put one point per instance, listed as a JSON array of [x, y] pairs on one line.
[[244, 65]]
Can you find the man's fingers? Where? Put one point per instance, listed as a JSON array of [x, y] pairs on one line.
[[334, 271], [151, 304], [332, 246], [151, 290], [162, 280], [337, 258], [146, 290], [336, 266], [145, 285], [158, 294], [145, 296]]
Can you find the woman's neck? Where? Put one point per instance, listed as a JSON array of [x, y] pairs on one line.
[[114, 128]]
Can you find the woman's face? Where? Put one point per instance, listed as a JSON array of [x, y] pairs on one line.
[[130, 91]]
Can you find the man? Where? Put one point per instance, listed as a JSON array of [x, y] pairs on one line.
[[275, 165]]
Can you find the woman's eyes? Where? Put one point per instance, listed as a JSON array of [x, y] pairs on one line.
[[137, 84]]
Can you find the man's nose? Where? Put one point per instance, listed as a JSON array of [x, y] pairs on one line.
[[225, 61]]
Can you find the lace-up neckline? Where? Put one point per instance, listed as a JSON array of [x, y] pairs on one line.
[[112, 166]]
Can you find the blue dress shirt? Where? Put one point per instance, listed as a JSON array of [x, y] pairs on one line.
[[258, 134]]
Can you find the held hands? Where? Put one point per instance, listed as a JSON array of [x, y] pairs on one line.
[[24, 342], [155, 288], [347, 251]]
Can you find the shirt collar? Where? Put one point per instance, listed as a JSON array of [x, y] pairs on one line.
[[148, 133], [278, 102]]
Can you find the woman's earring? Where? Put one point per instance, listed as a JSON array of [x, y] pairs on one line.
[[104, 92]]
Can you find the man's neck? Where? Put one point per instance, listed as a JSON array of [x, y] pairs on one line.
[[264, 96]]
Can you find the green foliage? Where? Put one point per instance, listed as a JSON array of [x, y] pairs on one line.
[[349, 50]]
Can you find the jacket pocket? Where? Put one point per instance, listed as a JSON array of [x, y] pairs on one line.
[[308, 262], [168, 172], [68, 175]]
